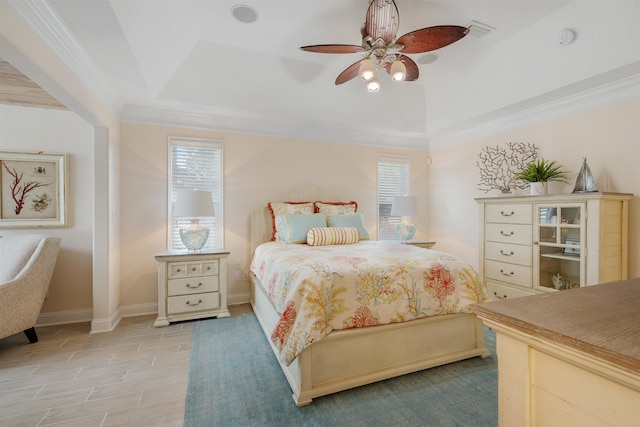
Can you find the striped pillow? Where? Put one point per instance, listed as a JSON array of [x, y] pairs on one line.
[[323, 236]]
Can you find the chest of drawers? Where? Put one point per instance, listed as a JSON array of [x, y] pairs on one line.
[[191, 285], [534, 244]]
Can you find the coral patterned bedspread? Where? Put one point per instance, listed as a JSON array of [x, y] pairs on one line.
[[318, 289]]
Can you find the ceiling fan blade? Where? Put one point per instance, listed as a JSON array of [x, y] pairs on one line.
[[412, 71], [382, 20], [350, 72], [333, 48], [431, 38]]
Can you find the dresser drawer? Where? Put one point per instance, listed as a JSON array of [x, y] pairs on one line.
[[497, 291], [507, 252], [509, 233], [193, 285], [195, 302], [508, 273], [510, 214], [187, 269]]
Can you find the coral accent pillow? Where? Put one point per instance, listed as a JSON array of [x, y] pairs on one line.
[[336, 208], [349, 220], [297, 208], [322, 236]]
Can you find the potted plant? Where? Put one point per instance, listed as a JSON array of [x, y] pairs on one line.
[[539, 172]]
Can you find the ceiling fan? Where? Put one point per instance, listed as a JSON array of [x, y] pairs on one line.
[[382, 52]]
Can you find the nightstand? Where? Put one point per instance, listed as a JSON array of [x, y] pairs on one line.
[[421, 244], [191, 285]]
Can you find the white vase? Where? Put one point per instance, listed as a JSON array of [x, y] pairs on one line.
[[538, 188]]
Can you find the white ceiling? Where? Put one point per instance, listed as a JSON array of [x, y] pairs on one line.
[[189, 62]]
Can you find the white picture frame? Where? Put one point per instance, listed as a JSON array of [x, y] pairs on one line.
[[33, 189]]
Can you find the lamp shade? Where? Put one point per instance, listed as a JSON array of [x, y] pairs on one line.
[[404, 206], [398, 71], [193, 204], [367, 70]]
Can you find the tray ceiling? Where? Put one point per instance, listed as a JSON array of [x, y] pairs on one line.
[[192, 63]]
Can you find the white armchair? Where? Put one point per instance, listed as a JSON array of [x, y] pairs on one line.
[[26, 265]]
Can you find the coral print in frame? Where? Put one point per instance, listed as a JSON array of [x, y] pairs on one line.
[[33, 190]]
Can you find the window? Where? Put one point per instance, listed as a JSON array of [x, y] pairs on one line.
[[393, 180], [196, 164]]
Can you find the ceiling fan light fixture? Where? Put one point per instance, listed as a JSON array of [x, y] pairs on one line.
[[398, 71], [373, 85], [367, 70]]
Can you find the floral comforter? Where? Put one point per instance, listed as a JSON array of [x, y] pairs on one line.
[[319, 289]]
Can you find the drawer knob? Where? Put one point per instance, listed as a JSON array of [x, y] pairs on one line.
[[208, 267], [178, 270], [505, 253], [506, 274], [190, 286], [511, 233], [194, 304], [503, 213], [495, 294], [193, 269]]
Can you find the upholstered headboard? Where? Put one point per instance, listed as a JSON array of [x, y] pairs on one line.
[[261, 217]]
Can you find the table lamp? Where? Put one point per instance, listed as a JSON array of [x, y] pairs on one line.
[[405, 207], [194, 204]]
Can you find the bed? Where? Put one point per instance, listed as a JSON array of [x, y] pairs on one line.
[[348, 355]]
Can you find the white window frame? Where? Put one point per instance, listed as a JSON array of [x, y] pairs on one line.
[[388, 187], [214, 183]]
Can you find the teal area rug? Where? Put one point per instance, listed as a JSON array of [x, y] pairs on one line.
[[235, 380]]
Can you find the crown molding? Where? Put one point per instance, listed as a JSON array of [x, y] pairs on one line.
[[46, 23], [236, 122], [620, 85], [610, 88]]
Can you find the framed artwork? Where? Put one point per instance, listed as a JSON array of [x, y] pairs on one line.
[[33, 189]]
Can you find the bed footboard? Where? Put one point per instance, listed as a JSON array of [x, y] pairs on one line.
[[354, 357]]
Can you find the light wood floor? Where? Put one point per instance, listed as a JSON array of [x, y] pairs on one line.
[[134, 375]]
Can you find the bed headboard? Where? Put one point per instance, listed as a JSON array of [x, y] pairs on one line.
[[261, 217]]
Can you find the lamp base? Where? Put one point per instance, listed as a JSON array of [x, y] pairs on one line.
[[194, 238], [405, 231]]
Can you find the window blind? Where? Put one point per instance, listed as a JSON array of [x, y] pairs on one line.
[[195, 164], [393, 180]]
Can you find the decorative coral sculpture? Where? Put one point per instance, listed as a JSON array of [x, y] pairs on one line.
[[499, 166]]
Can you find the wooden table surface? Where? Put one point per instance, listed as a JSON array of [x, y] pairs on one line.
[[602, 320]]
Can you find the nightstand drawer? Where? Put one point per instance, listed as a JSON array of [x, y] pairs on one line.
[[497, 292], [186, 269], [509, 214], [192, 285], [195, 302], [509, 273], [506, 252], [509, 233]]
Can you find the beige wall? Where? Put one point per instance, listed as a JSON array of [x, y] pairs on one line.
[[608, 137], [56, 131], [256, 170]]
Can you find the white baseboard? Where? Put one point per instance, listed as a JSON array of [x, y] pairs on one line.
[[106, 324], [237, 299], [109, 323], [65, 317], [139, 309]]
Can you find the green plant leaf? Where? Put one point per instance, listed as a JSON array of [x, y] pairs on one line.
[[542, 171]]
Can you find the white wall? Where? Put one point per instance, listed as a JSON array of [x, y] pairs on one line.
[[608, 137], [58, 131], [25, 50]]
